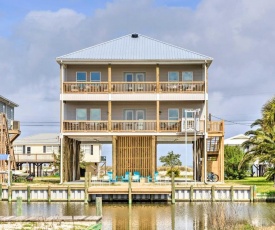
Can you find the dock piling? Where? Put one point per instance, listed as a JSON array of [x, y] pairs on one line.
[[9, 193], [191, 193], [213, 193], [98, 201], [173, 188], [1, 191], [86, 188], [19, 206], [49, 193], [130, 189], [28, 194]]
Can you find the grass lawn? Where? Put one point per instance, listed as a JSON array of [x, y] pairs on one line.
[[262, 185]]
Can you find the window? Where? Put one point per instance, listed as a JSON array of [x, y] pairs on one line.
[[44, 149], [187, 76], [81, 114], [87, 149], [18, 149], [95, 76], [173, 114], [95, 114], [92, 150], [129, 77], [24, 149], [173, 76], [81, 76], [129, 115], [134, 77], [28, 149], [49, 149], [140, 77], [188, 113]]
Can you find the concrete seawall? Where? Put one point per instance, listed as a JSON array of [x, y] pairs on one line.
[[73, 193]]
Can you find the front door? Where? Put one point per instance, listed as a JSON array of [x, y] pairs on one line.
[[140, 119]]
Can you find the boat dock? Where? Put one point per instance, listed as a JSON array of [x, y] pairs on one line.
[[123, 192]]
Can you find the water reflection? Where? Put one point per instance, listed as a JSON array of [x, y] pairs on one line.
[[158, 215]]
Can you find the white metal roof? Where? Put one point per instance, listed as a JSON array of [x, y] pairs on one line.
[[236, 140], [7, 101], [39, 139], [127, 48]]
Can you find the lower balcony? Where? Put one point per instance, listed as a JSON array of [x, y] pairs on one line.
[[164, 126]]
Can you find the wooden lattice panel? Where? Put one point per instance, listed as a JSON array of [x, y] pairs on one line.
[[135, 153]]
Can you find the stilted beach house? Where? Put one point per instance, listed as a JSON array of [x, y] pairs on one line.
[[136, 92]]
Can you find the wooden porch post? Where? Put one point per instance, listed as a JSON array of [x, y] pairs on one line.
[[109, 116], [153, 155], [157, 78], [109, 78], [114, 156], [222, 155], [157, 111]]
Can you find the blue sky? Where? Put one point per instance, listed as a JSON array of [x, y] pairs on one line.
[[238, 34]]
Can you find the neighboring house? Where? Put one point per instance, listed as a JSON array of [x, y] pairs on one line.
[[37, 150], [238, 140], [9, 131], [135, 92], [34, 152]]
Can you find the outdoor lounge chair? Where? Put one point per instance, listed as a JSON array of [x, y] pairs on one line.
[[126, 177]]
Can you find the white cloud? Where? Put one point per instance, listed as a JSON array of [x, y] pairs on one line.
[[238, 34]]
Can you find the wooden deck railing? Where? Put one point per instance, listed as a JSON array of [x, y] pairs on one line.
[[34, 157], [215, 126], [133, 87], [140, 126]]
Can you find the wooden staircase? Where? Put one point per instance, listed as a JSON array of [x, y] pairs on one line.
[[213, 145], [7, 136]]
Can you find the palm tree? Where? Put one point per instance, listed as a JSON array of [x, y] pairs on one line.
[[261, 144]]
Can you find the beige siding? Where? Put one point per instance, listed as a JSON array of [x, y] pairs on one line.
[[70, 71], [72, 106], [119, 70], [197, 70], [164, 106], [118, 109]]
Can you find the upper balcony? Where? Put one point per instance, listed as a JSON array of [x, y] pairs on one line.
[[133, 87]]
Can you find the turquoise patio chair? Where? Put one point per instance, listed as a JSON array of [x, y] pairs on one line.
[[126, 177]]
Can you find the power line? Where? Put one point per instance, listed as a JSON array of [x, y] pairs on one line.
[[233, 122]]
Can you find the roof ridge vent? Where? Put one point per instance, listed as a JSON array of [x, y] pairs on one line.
[[134, 35]]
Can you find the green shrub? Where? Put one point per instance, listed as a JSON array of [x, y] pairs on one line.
[[175, 170]]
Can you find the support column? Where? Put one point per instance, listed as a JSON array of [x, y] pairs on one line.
[[157, 112], [153, 169], [114, 149], [109, 116], [157, 78], [109, 78], [222, 158], [61, 174]]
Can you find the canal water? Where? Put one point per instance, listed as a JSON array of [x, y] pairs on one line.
[[203, 215]]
